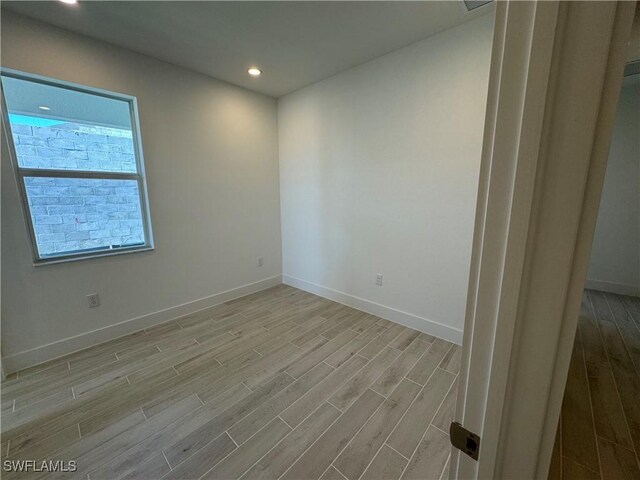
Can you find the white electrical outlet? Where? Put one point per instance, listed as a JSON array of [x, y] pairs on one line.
[[260, 261], [94, 300], [379, 279]]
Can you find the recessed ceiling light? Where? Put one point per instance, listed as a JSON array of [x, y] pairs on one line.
[[42, 107], [254, 72], [70, 2]]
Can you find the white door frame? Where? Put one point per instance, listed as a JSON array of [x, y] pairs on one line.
[[555, 78]]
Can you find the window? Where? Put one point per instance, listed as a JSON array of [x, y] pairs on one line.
[[78, 161]]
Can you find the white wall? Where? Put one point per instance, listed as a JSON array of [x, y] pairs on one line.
[[615, 255], [378, 174], [212, 170]]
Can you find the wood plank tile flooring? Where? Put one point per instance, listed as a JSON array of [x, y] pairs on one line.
[[278, 384], [599, 431]]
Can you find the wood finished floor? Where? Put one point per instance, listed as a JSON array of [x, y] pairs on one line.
[[278, 384], [599, 432]]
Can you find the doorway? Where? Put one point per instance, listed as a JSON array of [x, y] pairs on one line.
[[599, 430]]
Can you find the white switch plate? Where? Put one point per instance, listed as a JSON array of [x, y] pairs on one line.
[[260, 261], [379, 279]]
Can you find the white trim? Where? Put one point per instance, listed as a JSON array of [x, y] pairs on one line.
[[613, 287], [410, 320], [45, 353]]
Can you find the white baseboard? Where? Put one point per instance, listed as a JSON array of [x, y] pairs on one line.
[[612, 287], [45, 353], [407, 319]]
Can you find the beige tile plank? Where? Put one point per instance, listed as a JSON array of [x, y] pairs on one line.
[[609, 418], [629, 330], [624, 373], [361, 381], [451, 361], [171, 431], [339, 327], [279, 359], [176, 345], [574, 471], [259, 378], [384, 322], [257, 419], [402, 341], [297, 412], [230, 351], [278, 460], [430, 457], [101, 417], [137, 354], [425, 337], [444, 417], [89, 363], [43, 404], [617, 461], [271, 345], [410, 429], [229, 324], [355, 458], [393, 375], [152, 469], [81, 450], [242, 459], [306, 364], [322, 326], [390, 334], [45, 447], [355, 345], [387, 465], [373, 348], [578, 434], [106, 403], [57, 370], [632, 304], [445, 471], [106, 447], [120, 450], [182, 446], [363, 321], [332, 474], [321, 454], [424, 367], [33, 430], [204, 459]]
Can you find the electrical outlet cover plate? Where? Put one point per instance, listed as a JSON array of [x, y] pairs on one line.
[[94, 300]]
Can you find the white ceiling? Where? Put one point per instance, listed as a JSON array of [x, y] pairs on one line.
[[294, 43]]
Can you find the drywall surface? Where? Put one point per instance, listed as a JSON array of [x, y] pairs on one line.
[[378, 175], [615, 255], [211, 158]]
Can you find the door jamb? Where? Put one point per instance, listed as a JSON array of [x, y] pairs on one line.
[[555, 80]]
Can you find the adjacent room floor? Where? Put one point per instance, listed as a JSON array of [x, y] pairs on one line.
[[279, 384], [599, 432]]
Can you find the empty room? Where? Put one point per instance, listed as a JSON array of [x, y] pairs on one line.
[[301, 240]]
